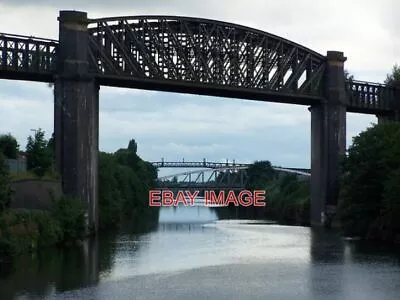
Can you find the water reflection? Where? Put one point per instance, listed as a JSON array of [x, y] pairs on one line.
[[320, 264], [182, 214], [57, 270]]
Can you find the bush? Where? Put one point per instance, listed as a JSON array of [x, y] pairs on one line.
[[50, 231], [70, 214], [19, 231], [5, 188], [9, 146], [288, 200], [23, 230]]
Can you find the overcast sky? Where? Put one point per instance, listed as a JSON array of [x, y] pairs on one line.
[[176, 126]]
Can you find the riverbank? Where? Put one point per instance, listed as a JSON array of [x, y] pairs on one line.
[[23, 230], [34, 215]]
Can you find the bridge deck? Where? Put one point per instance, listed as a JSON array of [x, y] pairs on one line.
[[27, 58]]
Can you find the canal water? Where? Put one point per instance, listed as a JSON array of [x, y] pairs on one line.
[[192, 254]]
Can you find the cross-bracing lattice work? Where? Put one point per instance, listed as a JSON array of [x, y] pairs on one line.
[[221, 178], [27, 58], [232, 177], [209, 53]]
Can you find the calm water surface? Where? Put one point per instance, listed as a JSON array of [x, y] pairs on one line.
[[193, 255]]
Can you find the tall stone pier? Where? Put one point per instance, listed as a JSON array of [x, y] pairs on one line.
[[328, 141], [76, 114]]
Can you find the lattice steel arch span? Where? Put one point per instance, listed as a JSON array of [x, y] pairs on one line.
[[226, 59]]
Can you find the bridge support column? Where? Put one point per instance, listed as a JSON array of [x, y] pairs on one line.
[[76, 107], [328, 142]]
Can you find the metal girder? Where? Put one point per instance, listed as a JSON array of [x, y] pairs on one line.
[[162, 50], [230, 178]]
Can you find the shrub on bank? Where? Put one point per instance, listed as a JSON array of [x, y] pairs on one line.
[[27, 230], [5, 188], [70, 215]]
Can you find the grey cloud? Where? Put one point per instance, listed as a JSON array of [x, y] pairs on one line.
[[20, 89]]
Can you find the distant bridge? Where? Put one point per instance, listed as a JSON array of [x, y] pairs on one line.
[[214, 175], [222, 165]]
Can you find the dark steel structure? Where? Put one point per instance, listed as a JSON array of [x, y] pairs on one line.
[[188, 55], [215, 165], [233, 178], [216, 176], [196, 164]]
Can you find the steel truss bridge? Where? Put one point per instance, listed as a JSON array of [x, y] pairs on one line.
[[188, 55], [193, 55], [215, 175]]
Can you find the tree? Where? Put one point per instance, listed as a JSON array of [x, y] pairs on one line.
[[369, 189], [394, 77], [39, 158], [132, 145], [5, 188], [259, 174], [9, 146], [50, 143]]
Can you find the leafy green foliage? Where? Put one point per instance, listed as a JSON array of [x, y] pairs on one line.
[[369, 196], [19, 231], [5, 189], [259, 173], [125, 181], [50, 230], [70, 214], [288, 200], [124, 178], [9, 146], [38, 153], [22, 230], [394, 77]]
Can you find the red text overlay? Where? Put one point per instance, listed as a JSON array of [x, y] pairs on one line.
[[223, 198]]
